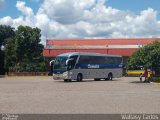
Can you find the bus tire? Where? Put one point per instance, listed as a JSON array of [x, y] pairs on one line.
[[67, 80], [110, 76], [79, 77], [97, 79]]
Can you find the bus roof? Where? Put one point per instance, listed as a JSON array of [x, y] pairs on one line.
[[87, 53]]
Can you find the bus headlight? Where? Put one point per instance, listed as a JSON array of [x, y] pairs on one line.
[[70, 73], [65, 74]]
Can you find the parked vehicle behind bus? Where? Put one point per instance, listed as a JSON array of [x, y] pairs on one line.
[[84, 65]]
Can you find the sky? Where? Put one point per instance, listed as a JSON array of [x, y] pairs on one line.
[[72, 19]]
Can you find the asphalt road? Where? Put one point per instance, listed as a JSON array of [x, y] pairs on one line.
[[44, 95]]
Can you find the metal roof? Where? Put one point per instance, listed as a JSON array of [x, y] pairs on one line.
[[122, 47], [81, 42]]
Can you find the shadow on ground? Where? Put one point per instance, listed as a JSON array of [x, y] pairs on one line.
[[74, 81], [139, 82]]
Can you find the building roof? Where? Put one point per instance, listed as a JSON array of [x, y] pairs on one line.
[[81, 42], [123, 47]]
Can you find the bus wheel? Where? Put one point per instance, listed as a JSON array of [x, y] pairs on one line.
[[79, 77], [110, 76], [97, 79], [67, 80]]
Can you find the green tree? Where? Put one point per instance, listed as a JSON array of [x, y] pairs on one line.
[[6, 32], [22, 50], [29, 50], [148, 56], [9, 53]]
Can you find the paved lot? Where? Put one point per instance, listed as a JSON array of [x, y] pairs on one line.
[[43, 95]]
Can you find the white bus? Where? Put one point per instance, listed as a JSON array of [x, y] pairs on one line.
[[84, 65]]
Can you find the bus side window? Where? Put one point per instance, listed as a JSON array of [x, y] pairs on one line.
[[106, 60], [97, 60], [84, 60], [109, 60]]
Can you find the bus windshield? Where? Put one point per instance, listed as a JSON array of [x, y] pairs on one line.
[[60, 64]]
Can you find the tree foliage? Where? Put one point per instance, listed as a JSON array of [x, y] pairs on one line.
[[9, 53], [148, 56], [27, 44], [28, 50], [6, 33], [22, 49]]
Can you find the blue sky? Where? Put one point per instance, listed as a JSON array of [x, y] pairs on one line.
[[134, 5], [9, 7], [85, 18]]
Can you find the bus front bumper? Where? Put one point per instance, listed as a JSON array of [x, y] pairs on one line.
[[60, 76]]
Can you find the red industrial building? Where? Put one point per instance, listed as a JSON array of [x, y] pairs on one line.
[[123, 47]]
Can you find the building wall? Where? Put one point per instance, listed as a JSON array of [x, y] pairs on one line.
[[122, 52], [123, 47]]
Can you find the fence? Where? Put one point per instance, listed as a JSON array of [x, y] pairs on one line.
[[27, 73]]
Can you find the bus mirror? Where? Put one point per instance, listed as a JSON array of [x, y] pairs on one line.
[[51, 62], [68, 62]]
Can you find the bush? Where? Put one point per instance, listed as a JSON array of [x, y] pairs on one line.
[[29, 67], [157, 79]]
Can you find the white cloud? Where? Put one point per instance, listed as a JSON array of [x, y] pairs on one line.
[[24, 9], [12, 22], [6, 20], [86, 18], [27, 13]]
